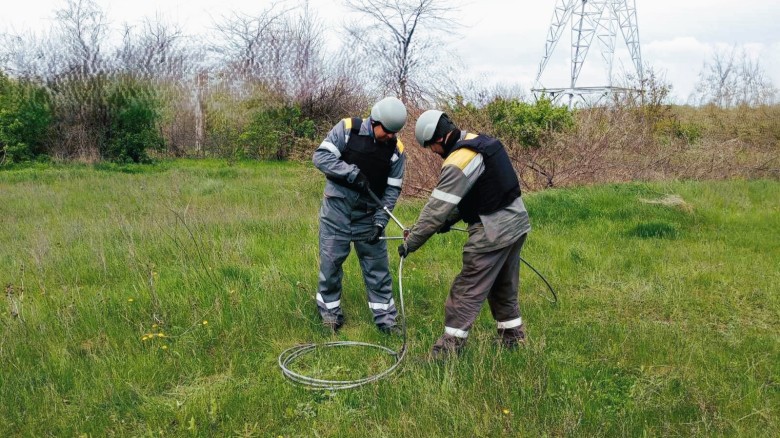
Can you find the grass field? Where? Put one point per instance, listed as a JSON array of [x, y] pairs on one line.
[[155, 300]]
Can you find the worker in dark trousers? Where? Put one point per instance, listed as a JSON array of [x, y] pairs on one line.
[[478, 185], [357, 156]]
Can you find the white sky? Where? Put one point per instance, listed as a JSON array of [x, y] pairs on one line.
[[504, 41]]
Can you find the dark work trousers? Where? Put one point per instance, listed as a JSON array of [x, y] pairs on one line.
[[494, 276]]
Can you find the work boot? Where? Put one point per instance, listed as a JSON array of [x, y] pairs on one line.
[[513, 337], [447, 347], [391, 329], [333, 324]]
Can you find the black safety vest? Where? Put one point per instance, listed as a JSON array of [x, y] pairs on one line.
[[498, 185], [374, 159]]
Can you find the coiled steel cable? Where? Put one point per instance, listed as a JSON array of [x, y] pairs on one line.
[[290, 355]]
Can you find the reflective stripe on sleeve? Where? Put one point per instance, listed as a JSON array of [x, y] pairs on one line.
[[394, 158], [446, 197], [332, 305], [510, 324], [328, 146], [458, 333], [473, 165], [395, 182], [381, 306]]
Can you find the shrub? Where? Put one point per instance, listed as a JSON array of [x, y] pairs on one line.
[[134, 116], [690, 132], [275, 132], [25, 118], [515, 122], [525, 124]]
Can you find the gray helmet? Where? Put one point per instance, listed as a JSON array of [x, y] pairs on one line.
[[390, 112], [426, 126]]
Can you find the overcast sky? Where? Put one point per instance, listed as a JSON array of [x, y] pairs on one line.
[[504, 41]]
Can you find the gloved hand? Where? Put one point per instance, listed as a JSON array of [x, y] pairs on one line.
[[361, 182], [403, 250], [376, 234], [445, 228]]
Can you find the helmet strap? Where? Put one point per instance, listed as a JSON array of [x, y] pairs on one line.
[[449, 141]]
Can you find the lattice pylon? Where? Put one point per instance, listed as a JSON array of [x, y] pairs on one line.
[[588, 19]]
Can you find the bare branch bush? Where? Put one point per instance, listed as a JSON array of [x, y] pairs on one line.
[[733, 78], [252, 49], [157, 52], [269, 61], [399, 38], [78, 79], [325, 92], [422, 166]]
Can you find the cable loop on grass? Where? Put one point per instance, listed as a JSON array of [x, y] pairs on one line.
[[290, 355]]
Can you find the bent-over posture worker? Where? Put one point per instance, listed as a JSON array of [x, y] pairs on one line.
[[357, 156], [479, 185]]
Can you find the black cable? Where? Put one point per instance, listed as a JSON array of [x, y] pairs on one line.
[[552, 291], [549, 287]]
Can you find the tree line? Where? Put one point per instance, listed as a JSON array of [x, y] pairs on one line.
[[265, 86]]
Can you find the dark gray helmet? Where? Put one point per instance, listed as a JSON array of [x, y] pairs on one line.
[[426, 126], [390, 112]]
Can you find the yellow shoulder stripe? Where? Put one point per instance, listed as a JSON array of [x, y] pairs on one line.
[[460, 158], [348, 124], [470, 135], [400, 146]]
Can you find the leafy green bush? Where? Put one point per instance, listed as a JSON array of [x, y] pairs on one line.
[[527, 124], [133, 122], [275, 132], [25, 117], [672, 127], [515, 122]]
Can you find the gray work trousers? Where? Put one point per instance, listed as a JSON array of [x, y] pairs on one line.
[[340, 228], [494, 276]]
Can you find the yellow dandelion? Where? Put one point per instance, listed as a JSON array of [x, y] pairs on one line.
[[164, 347], [130, 300], [144, 338], [505, 411], [154, 325], [160, 335], [205, 321]]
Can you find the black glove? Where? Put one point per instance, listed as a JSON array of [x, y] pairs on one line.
[[445, 228], [361, 182], [376, 234], [403, 250]]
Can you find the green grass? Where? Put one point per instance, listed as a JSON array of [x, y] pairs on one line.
[[667, 322]]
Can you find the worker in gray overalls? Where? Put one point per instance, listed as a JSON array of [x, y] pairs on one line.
[[357, 156]]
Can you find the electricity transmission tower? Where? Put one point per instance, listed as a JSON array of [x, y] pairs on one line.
[[588, 19]]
